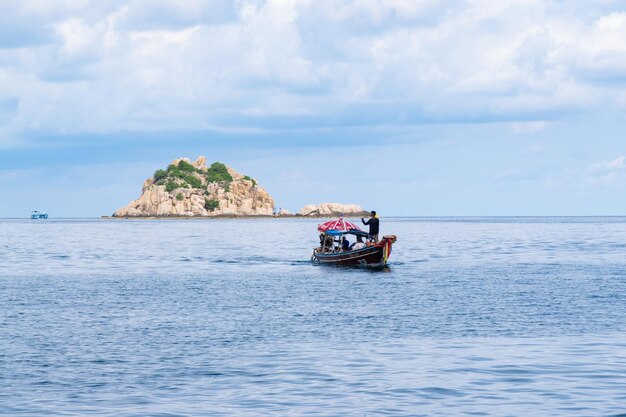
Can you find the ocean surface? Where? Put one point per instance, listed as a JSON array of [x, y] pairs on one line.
[[473, 317]]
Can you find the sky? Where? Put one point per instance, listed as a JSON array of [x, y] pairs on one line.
[[407, 107]]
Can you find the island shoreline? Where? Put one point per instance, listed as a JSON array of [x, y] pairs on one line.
[[227, 216]]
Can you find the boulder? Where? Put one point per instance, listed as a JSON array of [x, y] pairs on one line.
[[333, 209]]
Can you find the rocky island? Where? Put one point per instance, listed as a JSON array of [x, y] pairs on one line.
[[186, 189], [332, 210], [191, 189]]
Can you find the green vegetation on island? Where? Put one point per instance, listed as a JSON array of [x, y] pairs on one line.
[[185, 175], [218, 172], [250, 179], [211, 204], [172, 185]]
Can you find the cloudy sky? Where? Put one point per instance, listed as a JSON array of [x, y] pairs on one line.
[[410, 107]]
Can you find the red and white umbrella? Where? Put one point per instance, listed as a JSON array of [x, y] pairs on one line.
[[339, 224]]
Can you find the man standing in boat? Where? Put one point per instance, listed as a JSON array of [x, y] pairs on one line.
[[373, 223]]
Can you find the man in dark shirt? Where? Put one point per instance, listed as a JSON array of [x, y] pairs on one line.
[[373, 223], [345, 244]]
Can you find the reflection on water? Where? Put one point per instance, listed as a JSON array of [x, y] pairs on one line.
[[472, 317]]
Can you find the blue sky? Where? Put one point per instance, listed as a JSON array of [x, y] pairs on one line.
[[410, 107]]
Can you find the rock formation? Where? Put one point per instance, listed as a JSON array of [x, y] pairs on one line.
[[333, 209], [192, 189], [283, 212]]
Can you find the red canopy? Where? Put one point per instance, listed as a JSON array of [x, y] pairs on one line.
[[339, 224]]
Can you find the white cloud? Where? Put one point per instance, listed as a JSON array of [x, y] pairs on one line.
[[509, 174], [607, 173], [166, 64], [615, 164], [521, 128]]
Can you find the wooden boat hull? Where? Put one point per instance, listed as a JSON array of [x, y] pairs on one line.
[[372, 255], [375, 255]]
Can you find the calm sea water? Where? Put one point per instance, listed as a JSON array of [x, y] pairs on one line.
[[477, 316]]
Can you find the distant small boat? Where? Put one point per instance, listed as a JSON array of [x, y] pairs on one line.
[[36, 214]]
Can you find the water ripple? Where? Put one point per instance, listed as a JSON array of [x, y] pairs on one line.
[[473, 317]]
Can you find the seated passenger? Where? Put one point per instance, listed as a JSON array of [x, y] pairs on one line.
[[345, 244], [326, 243], [359, 244]]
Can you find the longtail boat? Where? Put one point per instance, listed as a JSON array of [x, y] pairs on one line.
[[334, 250]]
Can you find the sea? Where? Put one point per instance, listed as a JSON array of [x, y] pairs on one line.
[[227, 317]]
